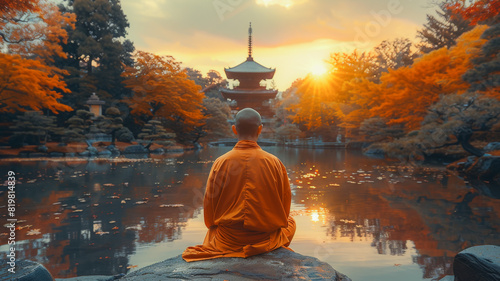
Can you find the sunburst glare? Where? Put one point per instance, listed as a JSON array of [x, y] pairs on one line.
[[318, 69]]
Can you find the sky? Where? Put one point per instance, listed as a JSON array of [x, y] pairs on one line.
[[293, 36]]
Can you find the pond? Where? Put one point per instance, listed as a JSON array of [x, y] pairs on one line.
[[371, 219]]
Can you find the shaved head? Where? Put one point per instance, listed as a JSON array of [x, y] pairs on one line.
[[247, 123]]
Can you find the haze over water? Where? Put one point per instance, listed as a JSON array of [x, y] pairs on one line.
[[370, 219]]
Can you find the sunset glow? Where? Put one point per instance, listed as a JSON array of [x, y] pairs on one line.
[[318, 70], [293, 36]]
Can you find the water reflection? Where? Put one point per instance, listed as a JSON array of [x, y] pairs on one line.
[[92, 215], [83, 218], [390, 205]]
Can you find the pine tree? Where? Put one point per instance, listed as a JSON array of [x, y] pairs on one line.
[[154, 130], [485, 75], [78, 126], [442, 31], [33, 127], [395, 54], [110, 122], [96, 50]]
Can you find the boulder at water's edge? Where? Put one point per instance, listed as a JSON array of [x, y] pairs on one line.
[[280, 264]]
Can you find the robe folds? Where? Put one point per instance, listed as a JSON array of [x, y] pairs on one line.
[[246, 205]]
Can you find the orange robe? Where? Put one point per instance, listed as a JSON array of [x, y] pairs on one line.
[[246, 205]]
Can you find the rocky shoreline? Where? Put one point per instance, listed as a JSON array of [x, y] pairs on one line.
[[95, 150], [483, 169]]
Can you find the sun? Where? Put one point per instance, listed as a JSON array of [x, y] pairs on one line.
[[318, 70]]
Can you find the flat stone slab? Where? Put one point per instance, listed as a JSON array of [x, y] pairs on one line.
[[280, 264]]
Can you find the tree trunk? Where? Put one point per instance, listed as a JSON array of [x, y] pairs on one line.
[[464, 140], [113, 133], [89, 66]]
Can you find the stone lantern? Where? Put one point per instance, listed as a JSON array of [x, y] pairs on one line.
[[95, 105]]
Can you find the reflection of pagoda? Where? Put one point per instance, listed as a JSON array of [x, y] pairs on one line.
[[249, 92]]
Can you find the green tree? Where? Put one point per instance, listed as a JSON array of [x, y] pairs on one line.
[[443, 30], [453, 120], [78, 126], [154, 130], [217, 113], [287, 132], [211, 84], [394, 54], [110, 122], [376, 129], [98, 43], [485, 74], [33, 127]]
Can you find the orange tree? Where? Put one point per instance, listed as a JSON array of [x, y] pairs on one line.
[[32, 35], [484, 77], [324, 101], [407, 93], [18, 5], [477, 11], [162, 90]]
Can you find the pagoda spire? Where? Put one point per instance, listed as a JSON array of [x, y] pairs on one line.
[[250, 43]]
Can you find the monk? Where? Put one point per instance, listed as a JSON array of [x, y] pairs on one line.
[[247, 199]]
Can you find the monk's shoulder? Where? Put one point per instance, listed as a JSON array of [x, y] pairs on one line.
[[225, 157], [271, 158]]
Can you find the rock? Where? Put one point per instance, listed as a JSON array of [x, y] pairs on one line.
[[86, 153], [70, 154], [36, 154], [378, 151], [492, 146], [25, 270], [24, 153], [357, 145], [175, 150], [113, 149], [158, 151], [89, 278], [92, 150], [56, 154], [473, 260], [105, 153], [136, 149], [62, 144], [484, 168], [43, 148], [280, 264], [462, 164]]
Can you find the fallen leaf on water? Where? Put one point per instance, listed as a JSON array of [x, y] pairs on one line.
[[35, 231]]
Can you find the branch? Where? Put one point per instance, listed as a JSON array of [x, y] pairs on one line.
[[4, 37], [447, 144]]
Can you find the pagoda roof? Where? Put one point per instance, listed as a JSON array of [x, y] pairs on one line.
[[249, 66]]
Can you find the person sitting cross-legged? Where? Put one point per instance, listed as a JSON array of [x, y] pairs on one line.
[[247, 199]]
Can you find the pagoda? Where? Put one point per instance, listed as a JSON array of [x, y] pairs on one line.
[[249, 92]]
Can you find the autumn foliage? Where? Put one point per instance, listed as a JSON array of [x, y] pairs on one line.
[[322, 98], [29, 84], [18, 5], [162, 89], [32, 34], [477, 11], [408, 92]]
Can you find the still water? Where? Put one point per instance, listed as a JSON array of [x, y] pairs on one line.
[[371, 219]]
